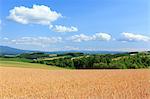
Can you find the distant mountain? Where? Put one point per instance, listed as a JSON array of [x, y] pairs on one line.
[[102, 52], [86, 52], [5, 50]]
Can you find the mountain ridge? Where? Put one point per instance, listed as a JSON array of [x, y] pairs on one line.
[[6, 50]]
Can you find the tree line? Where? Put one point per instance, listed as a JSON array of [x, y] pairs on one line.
[[98, 61]]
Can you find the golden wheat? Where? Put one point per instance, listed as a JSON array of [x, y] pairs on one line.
[[23, 83]]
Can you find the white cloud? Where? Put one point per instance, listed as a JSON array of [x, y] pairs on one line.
[[102, 36], [33, 40], [59, 28], [70, 48], [97, 36], [81, 37], [5, 38], [134, 37], [50, 26], [38, 14]]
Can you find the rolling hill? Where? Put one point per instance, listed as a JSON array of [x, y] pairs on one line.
[[5, 50]]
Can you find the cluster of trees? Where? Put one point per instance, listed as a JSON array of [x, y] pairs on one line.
[[111, 62], [108, 61], [61, 62], [132, 60], [75, 54], [33, 55]]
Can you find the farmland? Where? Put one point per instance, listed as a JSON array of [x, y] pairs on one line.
[[33, 83], [13, 63], [75, 76], [78, 60]]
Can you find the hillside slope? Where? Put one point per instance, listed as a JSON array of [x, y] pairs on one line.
[[27, 65], [5, 50]]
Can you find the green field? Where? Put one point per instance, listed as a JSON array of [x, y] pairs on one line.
[[27, 65], [53, 58]]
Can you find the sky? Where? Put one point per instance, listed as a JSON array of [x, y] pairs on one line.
[[56, 25]]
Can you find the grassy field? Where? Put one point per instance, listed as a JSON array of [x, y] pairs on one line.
[[13, 63], [15, 59], [29, 83], [53, 58]]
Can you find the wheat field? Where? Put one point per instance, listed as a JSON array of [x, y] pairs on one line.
[[29, 83]]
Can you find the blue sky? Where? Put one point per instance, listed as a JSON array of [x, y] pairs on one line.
[[53, 25]]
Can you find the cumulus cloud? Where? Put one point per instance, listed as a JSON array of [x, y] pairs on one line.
[[134, 37], [70, 48], [33, 40], [60, 28], [38, 14], [80, 37], [97, 36], [3, 39], [102, 36]]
